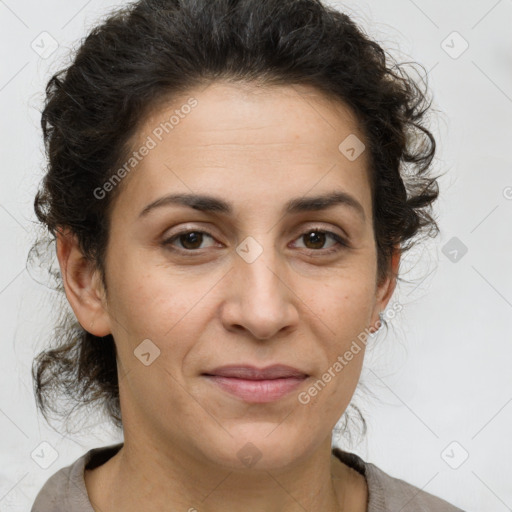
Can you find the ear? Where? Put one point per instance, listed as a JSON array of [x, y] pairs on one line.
[[385, 290], [83, 286]]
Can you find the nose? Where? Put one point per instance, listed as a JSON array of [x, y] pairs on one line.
[[260, 300]]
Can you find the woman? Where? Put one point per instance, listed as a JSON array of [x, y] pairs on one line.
[[227, 194]]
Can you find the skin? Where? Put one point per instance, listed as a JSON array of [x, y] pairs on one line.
[[295, 305]]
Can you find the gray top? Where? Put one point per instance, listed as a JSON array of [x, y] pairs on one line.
[[65, 490]]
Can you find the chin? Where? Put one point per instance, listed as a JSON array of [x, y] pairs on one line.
[[255, 446]]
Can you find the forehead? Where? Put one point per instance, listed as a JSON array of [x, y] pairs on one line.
[[248, 143]]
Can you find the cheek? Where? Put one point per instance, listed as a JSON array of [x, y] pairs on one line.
[[344, 305], [323, 402], [159, 305], [149, 299]]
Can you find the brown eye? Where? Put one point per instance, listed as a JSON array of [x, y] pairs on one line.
[[189, 240], [315, 239]]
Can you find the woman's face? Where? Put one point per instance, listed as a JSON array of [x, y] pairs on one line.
[[255, 281]]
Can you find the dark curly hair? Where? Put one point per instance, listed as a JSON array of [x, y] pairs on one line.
[[141, 56]]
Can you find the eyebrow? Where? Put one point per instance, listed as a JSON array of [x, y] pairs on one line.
[[213, 204]]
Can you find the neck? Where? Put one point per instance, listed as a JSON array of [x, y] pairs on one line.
[[143, 476]]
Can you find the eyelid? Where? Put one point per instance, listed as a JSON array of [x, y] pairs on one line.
[[167, 241], [341, 240]]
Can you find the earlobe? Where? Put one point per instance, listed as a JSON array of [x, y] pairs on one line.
[[82, 284], [386, 289]]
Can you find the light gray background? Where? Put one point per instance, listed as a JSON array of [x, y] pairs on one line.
[[442, 373]]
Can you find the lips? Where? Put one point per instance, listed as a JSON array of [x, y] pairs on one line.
[[249, 372], [257, 385]]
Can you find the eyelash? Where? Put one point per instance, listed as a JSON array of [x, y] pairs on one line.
[[341, 243]]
